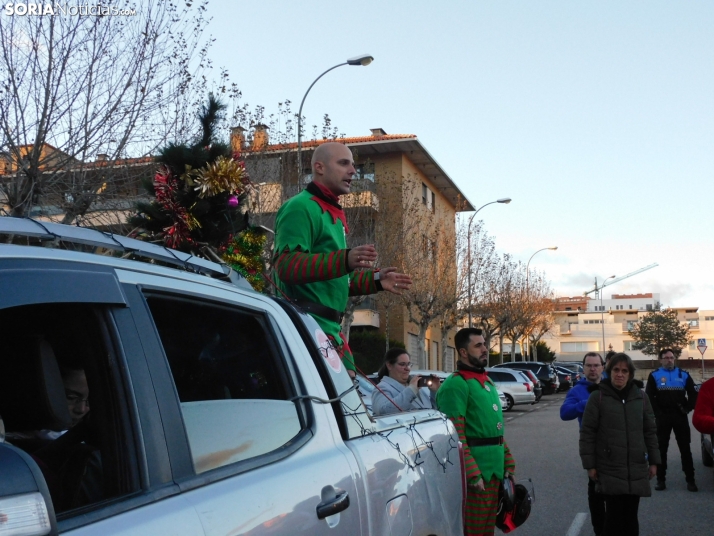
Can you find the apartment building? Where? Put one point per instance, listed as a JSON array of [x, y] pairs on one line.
[[581, 327]]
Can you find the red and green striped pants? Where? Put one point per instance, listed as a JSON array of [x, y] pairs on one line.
[[481, 510]]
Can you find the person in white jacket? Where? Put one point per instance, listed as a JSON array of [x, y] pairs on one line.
[[398, 391]]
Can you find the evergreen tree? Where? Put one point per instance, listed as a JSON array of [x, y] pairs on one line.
[[660, 329]]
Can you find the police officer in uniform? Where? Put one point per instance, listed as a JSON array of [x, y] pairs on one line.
[[673, 395]]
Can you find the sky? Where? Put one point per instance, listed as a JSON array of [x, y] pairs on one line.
[[595, 117]]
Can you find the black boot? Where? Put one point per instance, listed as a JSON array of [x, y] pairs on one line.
[[692, 486], [660, 485]]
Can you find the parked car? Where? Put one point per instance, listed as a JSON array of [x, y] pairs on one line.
[[537, 387], [565, 376], [575, 366], [443, 375], [515, 386], [543, 371], [214, 408]]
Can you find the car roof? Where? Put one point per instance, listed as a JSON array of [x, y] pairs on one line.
[[426, 372], [514, 372]]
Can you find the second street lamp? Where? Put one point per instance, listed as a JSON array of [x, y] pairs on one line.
[[504, 201], [528, 275], [364, 60]]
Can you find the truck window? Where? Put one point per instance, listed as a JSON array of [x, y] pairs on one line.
[[231, 381], [59, 402]]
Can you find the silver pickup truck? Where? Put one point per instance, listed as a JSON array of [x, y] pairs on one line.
[[138, 398]]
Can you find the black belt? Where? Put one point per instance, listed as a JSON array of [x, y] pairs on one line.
[[484, 441], [325, 312]]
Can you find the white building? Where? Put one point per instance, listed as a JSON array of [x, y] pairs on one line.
[[580, 328], [621, 302]]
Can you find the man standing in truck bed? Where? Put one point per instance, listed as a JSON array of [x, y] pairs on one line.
[[313, 266], [470, 399]]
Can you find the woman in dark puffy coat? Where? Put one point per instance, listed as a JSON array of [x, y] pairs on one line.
[[618, 444]]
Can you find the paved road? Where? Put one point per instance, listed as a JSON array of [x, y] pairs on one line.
[[546, 450]]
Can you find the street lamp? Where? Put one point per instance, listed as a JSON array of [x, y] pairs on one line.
[[503, 201], [364, 60], [528, 276], [602, 310]]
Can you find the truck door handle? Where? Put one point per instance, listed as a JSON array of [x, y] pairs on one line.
[[338, 500]]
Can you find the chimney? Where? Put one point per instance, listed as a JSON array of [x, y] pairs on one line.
[[237, 139], [102, 157], [376, 132], [260, 137]]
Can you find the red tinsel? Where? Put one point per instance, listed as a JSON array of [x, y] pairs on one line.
[[165, 186]]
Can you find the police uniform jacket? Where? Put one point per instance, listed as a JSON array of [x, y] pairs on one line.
[[671, 391]]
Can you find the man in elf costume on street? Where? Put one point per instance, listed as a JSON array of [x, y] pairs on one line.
[[313, 266], [470, 399]]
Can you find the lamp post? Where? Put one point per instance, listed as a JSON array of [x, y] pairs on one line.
[[528, 276], [602, 310], [503, 201], [364, 60]]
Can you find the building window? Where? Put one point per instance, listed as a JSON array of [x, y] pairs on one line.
[[413, 348], [424, 191], [693, 323], [593, 322], [433, 202], [708, 318], [649, 307], [631, 324], [628, 346], [366, 171], [585, 346], [450, 358]]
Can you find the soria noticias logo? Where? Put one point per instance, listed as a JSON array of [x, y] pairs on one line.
[[39, 9]]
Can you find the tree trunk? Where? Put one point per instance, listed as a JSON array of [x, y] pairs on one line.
[[500, 344], [444, 347]]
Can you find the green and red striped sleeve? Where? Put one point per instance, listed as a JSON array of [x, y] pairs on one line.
[[509, 464], [298, 268], [473, 473], [362, 283]]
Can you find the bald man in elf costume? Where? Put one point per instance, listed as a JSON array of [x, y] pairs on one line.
[[313, 266]]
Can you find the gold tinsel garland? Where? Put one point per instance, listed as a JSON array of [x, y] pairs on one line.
[[223, 175]]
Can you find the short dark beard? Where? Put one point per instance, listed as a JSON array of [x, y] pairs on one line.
[[470, 366]]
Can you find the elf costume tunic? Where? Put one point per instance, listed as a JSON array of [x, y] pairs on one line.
[[470, 399], [311, 259]]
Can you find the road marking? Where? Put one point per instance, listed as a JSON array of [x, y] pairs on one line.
[[509, 419], [577, 524]]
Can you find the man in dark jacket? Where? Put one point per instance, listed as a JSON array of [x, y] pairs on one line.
[[573, 407], [673, 395]]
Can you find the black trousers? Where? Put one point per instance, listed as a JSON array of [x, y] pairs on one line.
[[621, 519], [666, 422], [596, 502]]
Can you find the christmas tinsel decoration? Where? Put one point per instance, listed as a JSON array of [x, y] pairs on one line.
[[199, 195], [244, 253]]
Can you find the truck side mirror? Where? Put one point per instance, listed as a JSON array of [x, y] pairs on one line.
[[25, 503]]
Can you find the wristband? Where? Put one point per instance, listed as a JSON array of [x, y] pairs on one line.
[[377, 282]]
